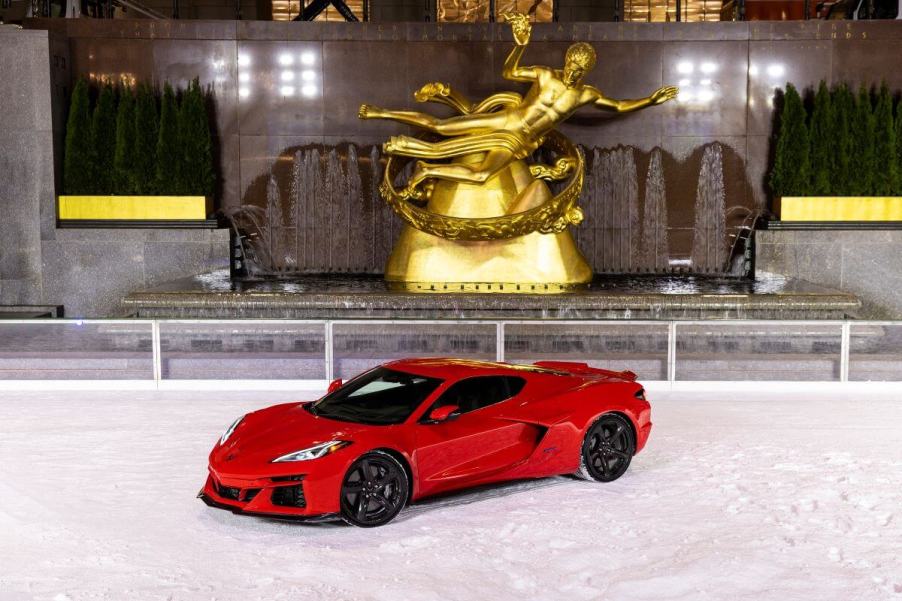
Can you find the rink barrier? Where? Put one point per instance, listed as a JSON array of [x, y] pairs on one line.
[[307, 354]]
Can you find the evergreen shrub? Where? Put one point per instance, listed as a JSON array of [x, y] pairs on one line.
[[847, 146], [134, 142]]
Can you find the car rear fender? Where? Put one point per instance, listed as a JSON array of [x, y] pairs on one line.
[[577, 368]]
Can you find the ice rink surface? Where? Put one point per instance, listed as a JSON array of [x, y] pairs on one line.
[[754, 496]]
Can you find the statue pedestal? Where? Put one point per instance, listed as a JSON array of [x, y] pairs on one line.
[[536, 259]]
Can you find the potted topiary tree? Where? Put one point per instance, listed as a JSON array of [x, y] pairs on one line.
[[141, 160]]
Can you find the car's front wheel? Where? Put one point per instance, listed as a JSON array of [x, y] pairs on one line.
[[607, 449], [374, 490]]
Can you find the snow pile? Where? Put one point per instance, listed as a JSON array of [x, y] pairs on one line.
[[734, 498]]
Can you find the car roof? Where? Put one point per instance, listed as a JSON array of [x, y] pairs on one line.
[[445, 368]]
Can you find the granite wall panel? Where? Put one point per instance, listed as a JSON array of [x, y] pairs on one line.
[[90, 271], [864, 263], [280, 88], [771, 64], [26, 160]]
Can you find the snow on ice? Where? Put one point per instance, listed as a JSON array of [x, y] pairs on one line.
[[747, 496]]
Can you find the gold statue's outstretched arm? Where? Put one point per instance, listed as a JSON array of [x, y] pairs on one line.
[[659, 96], [521, 30]]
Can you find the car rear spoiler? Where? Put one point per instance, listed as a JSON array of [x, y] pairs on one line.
[[574, 367]]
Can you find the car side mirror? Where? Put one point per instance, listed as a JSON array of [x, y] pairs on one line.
[[334, 385], [443, 414]]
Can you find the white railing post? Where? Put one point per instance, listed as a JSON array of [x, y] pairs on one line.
[[671, 351], [844, 352], [499, 341], [330, 375], [155, 350]]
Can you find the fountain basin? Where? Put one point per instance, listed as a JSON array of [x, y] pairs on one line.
[[344, 296]]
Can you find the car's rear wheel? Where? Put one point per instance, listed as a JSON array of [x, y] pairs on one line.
[[607, 449], [374, 490]]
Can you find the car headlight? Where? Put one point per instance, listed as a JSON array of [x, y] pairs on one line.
[[229, 430], [314, 452]]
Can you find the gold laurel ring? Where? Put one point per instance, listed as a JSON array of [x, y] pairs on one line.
[[550, 217]]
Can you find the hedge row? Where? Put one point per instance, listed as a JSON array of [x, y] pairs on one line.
[[840, 145], [134, 141]]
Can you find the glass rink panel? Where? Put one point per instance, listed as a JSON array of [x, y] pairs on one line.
[[638, 347], [875, 352], [478, 11], [782, 351], [247, 350], [360, 346], [76, 350]]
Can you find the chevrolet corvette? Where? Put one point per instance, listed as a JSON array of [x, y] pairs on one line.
[[413, 428]]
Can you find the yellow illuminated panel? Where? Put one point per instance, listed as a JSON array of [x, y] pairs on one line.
[[133, 208], [841, 208], [538, 11], [477, 11], [665, 10]]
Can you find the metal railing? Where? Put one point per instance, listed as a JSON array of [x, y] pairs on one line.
[[156, 352]]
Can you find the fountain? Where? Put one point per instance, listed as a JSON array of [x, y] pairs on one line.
[[493, 217]]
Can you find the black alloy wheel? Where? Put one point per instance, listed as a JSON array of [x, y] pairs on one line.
[[607, 449], [374, 490]]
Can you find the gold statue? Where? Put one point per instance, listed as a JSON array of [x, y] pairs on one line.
[[490, 218]]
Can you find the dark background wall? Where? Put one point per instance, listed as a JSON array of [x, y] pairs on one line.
[[262, 134]]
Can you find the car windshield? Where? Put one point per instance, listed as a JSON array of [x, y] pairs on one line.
[[379, 396]]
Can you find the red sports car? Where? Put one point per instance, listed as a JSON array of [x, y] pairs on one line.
[[417, 427]]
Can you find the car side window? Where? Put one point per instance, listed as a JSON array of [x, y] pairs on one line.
[[475, 393]]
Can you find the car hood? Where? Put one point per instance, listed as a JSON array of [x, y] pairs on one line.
[[269, 433]]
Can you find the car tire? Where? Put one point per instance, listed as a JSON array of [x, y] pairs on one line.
[[374, 490], [607, 449]]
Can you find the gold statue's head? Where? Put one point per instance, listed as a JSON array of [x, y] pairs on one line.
[[580, 59]]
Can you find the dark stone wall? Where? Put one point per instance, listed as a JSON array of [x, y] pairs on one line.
[[735, 70]]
